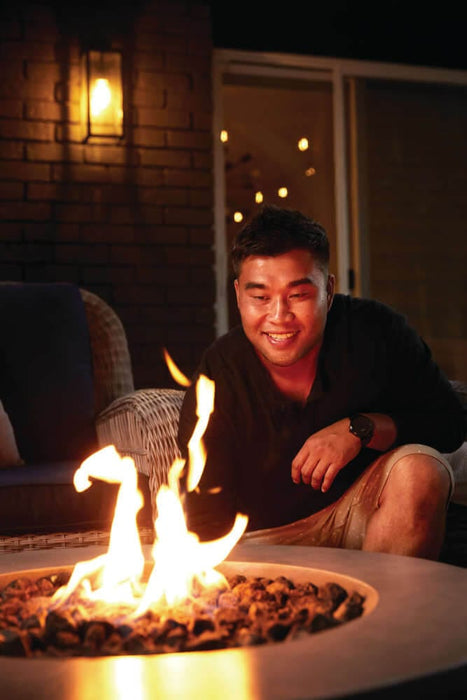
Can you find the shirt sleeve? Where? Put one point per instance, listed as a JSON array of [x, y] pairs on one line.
[[425, 407]]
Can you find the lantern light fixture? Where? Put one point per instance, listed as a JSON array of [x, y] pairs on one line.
[[102, 95]]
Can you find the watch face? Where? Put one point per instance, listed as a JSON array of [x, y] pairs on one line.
[[362, 427]]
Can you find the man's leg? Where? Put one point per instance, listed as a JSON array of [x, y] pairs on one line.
[[411, 515], [407, 518]]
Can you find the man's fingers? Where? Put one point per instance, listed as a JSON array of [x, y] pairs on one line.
[[329, 477], [306, 472], [296, 472], [318, 475], [312, 473], [300, 465]]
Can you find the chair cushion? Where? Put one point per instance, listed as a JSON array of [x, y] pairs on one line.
[[9, 455], [41, 498], [46, 383]]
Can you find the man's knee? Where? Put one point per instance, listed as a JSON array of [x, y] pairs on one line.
[[419, 479]]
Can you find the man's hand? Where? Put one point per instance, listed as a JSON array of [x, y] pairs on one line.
[[324, 454]]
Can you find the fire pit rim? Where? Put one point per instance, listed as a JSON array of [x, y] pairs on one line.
[[374, 652]]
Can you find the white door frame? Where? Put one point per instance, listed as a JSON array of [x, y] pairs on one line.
[[303, 67]]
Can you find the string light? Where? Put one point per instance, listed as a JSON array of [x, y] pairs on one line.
[[303, 144]]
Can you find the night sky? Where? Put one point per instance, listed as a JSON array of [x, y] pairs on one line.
[[399, 31]]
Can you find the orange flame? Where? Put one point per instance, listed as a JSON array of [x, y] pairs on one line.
[[196, 451], [177, 374], [204, 408], [120, 569], [181, 562], [180, 558]]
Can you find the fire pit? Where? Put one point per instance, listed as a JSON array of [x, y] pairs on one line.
[[259, 606], [414, 622], [415, 631]]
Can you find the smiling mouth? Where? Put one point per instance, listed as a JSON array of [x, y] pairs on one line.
[[280, 337]]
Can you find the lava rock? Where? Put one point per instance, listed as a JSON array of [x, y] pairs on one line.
[[13, 643]]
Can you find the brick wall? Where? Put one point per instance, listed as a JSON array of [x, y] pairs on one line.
[[417, 210], [131, 221]]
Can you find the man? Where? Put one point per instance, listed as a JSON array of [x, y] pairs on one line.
[[330, 414]]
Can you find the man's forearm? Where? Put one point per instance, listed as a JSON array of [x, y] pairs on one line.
[[385, 433]]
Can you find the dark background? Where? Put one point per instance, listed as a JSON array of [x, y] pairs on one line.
[[397, 31]]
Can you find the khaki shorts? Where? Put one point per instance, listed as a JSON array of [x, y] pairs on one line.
[[343, 523]]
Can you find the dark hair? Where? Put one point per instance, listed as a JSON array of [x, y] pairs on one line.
[[274, 231]]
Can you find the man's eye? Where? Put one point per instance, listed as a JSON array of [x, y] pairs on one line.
[[259, 297], [298, 295]]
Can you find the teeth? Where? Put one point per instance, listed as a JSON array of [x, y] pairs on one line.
[[281, 336]]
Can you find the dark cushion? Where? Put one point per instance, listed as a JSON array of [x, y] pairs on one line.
[[48, 473], [46, 383], [41, 498]]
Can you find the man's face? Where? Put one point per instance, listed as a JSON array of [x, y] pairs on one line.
[[283, 303]]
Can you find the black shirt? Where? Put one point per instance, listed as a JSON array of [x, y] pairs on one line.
[[370, 361]]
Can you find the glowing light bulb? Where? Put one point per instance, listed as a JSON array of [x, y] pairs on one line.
[[224, 136], [258, 197], [101, 96], [238, 217], [283, 192], [303, 144]]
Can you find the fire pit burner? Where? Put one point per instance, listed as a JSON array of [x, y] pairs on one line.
[[414, 637], [253, 610]]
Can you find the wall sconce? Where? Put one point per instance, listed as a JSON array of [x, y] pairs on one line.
[[102, 95]]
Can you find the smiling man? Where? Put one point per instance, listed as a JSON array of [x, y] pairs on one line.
[[330, 414]]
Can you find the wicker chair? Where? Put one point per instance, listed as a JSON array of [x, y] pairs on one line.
[[151, 419], [143, 425], [113, 376]]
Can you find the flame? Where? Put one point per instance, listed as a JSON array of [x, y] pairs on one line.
[[182, 564], [181, 560], [177, 375], [120, 569], [196, 451], [204, 408]]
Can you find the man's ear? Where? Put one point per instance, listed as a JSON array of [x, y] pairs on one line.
[[331, 283], [236, 289]]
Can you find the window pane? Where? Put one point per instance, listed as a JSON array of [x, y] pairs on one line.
[[265, 121]]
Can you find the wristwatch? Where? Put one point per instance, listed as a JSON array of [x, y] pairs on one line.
[[362, 427]]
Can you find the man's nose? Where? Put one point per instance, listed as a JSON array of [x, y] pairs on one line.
[[279, 309]]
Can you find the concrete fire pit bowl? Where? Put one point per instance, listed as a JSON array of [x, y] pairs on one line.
[[414, 637]]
